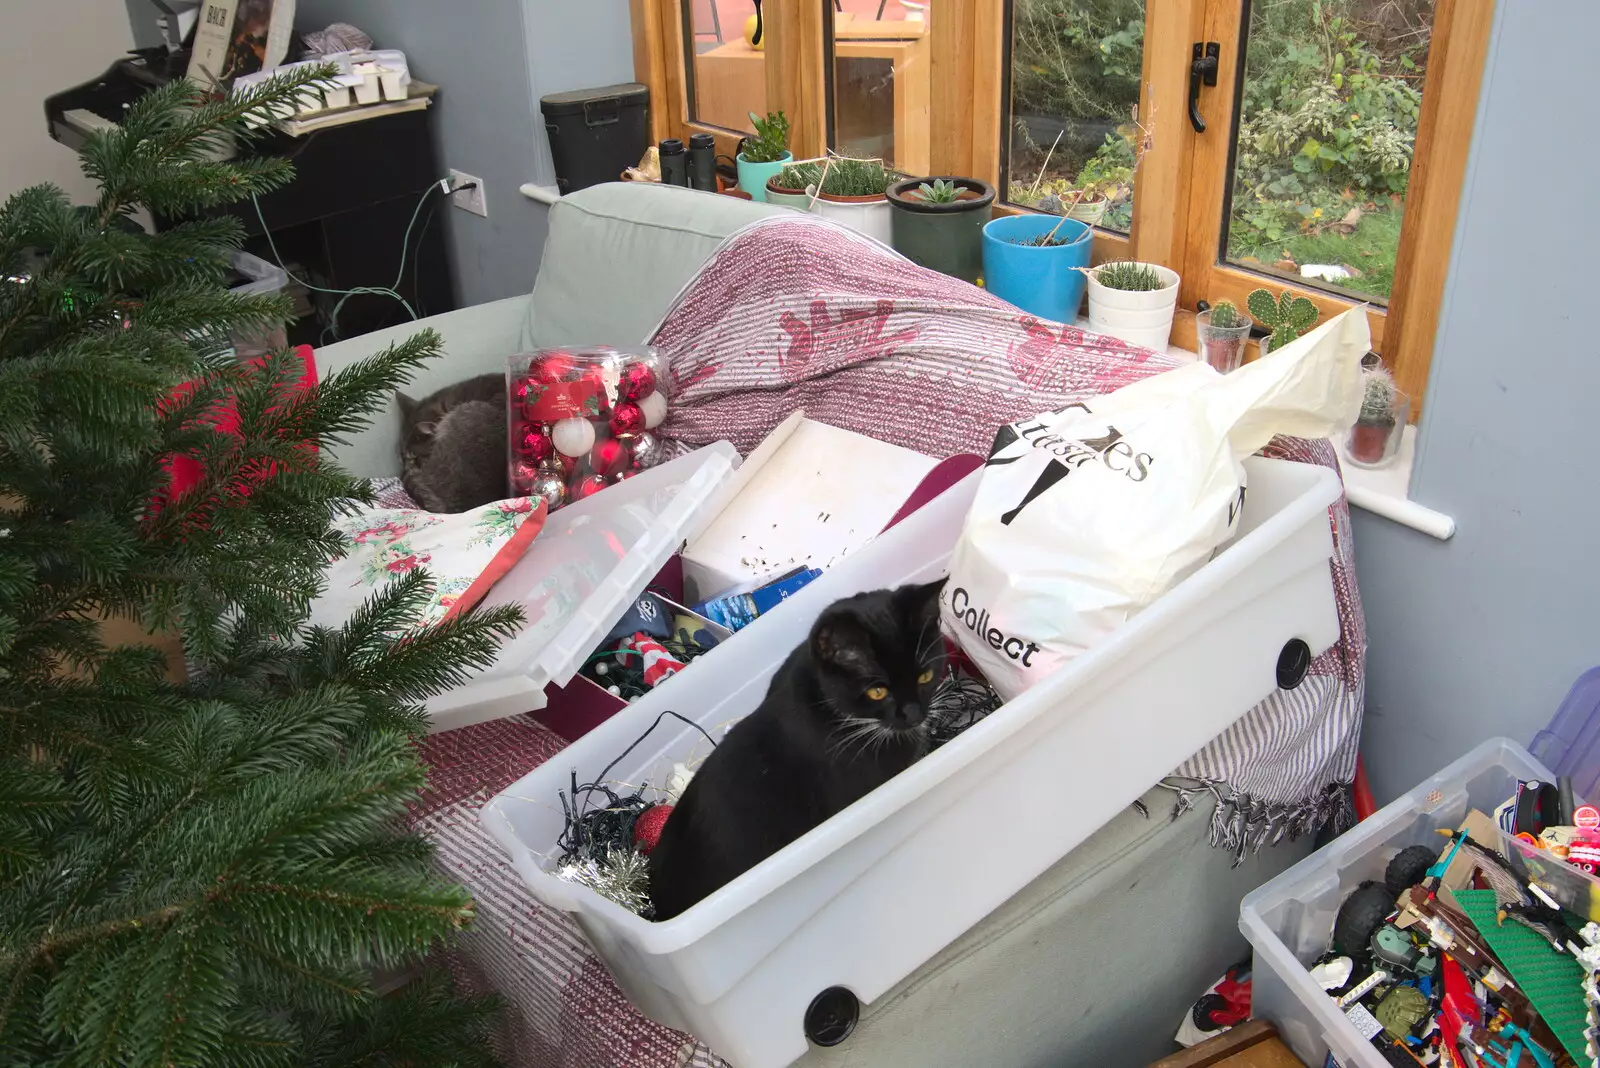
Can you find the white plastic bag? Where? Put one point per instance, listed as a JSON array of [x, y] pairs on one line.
[[1086, 515]]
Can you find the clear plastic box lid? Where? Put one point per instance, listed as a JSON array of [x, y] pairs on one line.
[[591, 559]]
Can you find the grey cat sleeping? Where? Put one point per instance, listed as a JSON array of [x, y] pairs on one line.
[[453, 445]]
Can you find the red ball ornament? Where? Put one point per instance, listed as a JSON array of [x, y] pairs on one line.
[[526, 388], [648, 826], [553, 367], [627, 419], [534, 443], [523, 472], [586, 487], [638, 380], [609, 457]]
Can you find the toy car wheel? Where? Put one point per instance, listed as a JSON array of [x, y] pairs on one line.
[[831, 1016], [1294, 662], [1359, 918], [1408, 868], [1201, 1014]]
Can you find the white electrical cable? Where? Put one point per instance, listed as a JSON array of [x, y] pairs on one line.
[[442, 186]]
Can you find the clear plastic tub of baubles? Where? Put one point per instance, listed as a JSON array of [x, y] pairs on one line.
[[581, 419]]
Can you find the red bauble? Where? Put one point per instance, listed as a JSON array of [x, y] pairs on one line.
[[584, 487], [609, 457], [647, 827], [533, 442], [627, 419], [526, 388], [638, 380], [553, 367], [523, 472]]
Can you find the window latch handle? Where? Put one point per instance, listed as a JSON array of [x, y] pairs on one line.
[[1207, 60]]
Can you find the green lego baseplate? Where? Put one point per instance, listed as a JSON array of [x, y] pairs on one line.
[[1552, 980]]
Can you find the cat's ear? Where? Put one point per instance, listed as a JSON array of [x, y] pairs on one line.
[[408, 407], [840, 638], [923, 598]]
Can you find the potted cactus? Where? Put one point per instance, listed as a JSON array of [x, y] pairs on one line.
[[1375, 439], [764, 154], [1133, 301], [1223, 330], [938, 223], [1287, 317]]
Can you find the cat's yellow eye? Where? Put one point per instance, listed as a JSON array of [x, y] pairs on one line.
[[877, 693], [925, 678]]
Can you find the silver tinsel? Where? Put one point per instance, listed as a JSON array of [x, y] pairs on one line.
[[622, 876]]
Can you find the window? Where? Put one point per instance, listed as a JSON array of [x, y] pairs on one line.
[[1073, 133], [880, 57], [1331, 160], [726, 79]]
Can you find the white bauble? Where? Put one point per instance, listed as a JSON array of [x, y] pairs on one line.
[[654, 408], [573, 437]]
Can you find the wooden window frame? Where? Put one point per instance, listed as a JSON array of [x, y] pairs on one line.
[[794, 71], [1186, 172]]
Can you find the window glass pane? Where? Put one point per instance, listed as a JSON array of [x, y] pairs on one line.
[[880, 80], [729, 77], [1073, 136], [1331, 97]]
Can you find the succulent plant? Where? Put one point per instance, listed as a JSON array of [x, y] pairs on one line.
[[1377, 399], [1129, 276], [771, 140], [939, 191], [1224, 315], [1287, 317]]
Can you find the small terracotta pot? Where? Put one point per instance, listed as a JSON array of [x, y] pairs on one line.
[[1370, 441]]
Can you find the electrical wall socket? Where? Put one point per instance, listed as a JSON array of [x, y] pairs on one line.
[[473, 199]]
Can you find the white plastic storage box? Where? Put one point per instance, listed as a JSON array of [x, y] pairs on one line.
[[861, 901], [1289, 921], [592, 558], [262, 279], [787, 506]]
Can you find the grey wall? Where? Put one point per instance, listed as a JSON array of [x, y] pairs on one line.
[[473, 50], [1482, 635], [44, 49], [574, 46]]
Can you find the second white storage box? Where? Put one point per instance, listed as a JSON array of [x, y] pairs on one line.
[[859, 902], [1289, 921]]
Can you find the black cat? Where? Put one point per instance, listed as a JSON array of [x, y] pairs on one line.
[[844, 714]]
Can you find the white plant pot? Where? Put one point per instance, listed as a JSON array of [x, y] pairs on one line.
[[368, 90], [337, 96], [309, 102], [871, 217], [393, 89], [1142, 318]]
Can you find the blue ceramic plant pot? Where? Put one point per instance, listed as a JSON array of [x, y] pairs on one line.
[[753, 176], [1041, 280]]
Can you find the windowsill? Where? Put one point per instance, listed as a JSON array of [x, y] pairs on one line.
[[1385, 490], [542, 194]]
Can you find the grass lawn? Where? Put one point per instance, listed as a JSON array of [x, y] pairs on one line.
[[1371, 249]]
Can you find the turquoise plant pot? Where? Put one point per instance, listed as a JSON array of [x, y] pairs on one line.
[[753, 176]]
